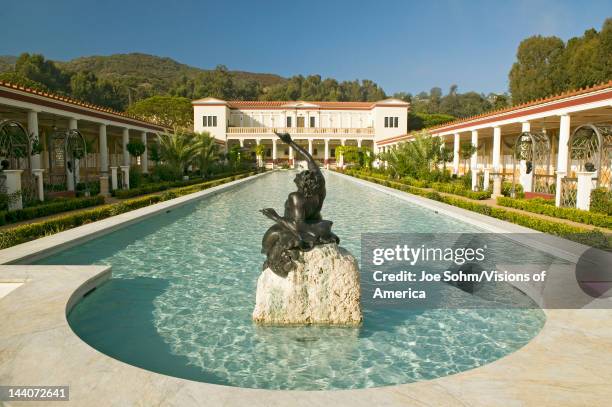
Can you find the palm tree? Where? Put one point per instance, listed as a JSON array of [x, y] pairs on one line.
[[207, 151], [178, 150]]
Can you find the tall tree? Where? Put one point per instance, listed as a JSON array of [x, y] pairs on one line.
[[37, 69], [538, 70], [168, 111]]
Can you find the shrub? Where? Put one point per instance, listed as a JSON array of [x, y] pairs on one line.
[[136, 177], [601, 201], [45, 209], [161, 186], [20, 234], [507, 190], [594, 238], [573, 214], [164, 172]]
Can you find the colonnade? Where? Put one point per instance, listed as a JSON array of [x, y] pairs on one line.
[[327, 160], [106, 172]]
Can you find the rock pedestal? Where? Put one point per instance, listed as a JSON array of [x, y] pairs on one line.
[[323, 289]]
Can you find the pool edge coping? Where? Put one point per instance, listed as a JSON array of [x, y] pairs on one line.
[[490, 384]]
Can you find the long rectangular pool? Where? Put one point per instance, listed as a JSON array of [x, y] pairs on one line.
[[183, 290]]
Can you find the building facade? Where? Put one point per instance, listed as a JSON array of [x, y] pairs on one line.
[[319, 126], [574, 157], [107, 132]]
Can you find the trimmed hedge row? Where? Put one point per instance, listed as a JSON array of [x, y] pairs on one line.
[[446, 187], [457, 189], [51, 208], [165, 185], [594, 238], [573, 214], [21, 234]]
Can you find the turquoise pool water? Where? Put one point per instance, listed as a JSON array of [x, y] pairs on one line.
[[183, 289]]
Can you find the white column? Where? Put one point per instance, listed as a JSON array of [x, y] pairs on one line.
[[342, 142], [358, 143], [456, 152], [38, 173], [326, 157], [114, 183], [103, 160], [310, 146], [103, 150], [474, 160], [33, 130], [260, 158], [562, 154], [144, 160], [291, 157], [497, 179], [274, 153], [125, 141], [71, 175], [241, 143]]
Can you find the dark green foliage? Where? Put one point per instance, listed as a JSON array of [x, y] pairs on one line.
[[164, 185], [594, 238], [601, 201], [18, 79], [136, 148], [49, 208], [136, 176], [442, 184], [314, 88], [573, 214], [20, 234], [167, 111], [164, 172], [518, 190], [418, 121], [546, 65]]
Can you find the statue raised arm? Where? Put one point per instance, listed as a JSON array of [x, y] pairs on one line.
[[301, 228], [312, 164]]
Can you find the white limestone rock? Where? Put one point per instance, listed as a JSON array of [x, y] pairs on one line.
[[323, 289]]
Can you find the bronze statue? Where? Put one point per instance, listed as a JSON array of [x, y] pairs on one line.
[[302, 227]]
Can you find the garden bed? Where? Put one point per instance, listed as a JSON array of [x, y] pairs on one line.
[[24, 233], [587, 236]]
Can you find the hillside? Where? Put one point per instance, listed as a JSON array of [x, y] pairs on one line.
[[142, 69]]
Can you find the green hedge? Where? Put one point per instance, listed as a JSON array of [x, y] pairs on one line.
[[51, 208], [594, 238], [165, 185], [601, 201], [573, 214], [455, 188], [458, 189], [21, 234]]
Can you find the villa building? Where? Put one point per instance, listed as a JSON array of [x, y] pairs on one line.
[[574, 140], [319, 126]]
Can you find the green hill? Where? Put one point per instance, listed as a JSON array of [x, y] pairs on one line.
[[143, 70]]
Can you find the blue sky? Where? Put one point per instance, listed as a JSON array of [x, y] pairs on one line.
[[402, 45]]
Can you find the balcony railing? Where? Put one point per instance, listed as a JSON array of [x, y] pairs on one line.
[[299, 130]]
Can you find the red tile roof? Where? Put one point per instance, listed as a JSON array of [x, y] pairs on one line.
[[74, 102], [291, 104], [533, 103], [238, 104]]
